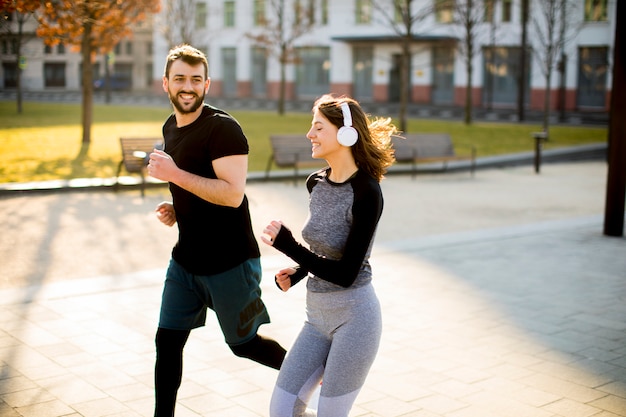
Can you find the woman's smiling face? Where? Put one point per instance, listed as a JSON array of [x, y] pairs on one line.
[[323, 136]]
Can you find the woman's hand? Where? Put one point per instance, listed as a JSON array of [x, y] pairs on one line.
[[271, 230], [283, 278]]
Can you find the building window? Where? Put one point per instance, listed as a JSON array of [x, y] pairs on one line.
[[490, 6], [324, 16], [501, 66], [363, 11], [444, 10], [362, 72], [311, 11], [595, 10], [259, 72], [9, 46], [593, 67], [442, 75], [398, 11], [149, 69], [229, 14], [10, 74], [259, 13], [129, 48], [54, 74], [229, 66], [313, 71], [506, 10], [50, 50], [123, 74], [149, 48], [305, 13], [201, 15]]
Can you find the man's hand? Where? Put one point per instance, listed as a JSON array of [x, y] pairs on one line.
[[165, 213], [161, 166]]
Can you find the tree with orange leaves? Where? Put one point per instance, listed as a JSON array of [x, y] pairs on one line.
[[13, 16], [93, 27]]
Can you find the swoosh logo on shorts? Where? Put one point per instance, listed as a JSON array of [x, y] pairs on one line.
[[248, 316]]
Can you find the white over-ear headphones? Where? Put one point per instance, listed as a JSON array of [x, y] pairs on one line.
[[347, 135]]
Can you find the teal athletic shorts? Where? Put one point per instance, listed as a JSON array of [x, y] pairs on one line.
[[234, 295]]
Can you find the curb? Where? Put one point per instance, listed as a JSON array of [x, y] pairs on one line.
[[592, 152]]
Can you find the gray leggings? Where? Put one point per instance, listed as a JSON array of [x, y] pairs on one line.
[[337, 344]]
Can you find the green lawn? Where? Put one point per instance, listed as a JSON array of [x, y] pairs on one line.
[[44, 142]]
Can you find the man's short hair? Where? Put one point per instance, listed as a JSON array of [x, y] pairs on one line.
[[189, 55]]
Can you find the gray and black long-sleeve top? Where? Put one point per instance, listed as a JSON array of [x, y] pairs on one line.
[[340, 232]]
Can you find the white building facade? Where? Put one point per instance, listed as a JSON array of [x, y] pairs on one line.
[[58, 68], [353, 47]]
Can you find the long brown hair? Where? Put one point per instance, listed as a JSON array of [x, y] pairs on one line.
[[373, 151]]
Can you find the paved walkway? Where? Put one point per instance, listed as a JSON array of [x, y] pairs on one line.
[[501, 298]]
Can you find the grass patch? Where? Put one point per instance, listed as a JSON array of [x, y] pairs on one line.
[[44, 142]]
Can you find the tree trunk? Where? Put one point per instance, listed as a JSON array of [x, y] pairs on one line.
[[562, 87], [562, 62], [18, 71], [282, 87], [107, 78], [405, 82], [469, 44], [87, 84], [546, 102], [468, 93]]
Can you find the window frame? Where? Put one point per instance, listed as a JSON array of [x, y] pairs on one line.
[[363, 12], [444, 11], [200, 15], [229, 13], [596, 11], [258, 13]]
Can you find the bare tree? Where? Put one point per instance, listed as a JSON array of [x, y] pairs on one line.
[[549, 24], [176, 22], [14, 15], [467, 17], [278, 33], [490, 17], [401, 17]]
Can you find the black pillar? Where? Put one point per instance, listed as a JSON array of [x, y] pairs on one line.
[[616, 181], [521, 81]]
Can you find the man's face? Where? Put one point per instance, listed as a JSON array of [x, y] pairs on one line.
[[186, 86]]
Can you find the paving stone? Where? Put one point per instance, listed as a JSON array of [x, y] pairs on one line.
[[501, 298]]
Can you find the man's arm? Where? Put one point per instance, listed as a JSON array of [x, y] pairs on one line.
[[227, 190]]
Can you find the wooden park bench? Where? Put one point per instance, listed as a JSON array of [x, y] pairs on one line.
[[418, 148], [135, 155], [291, 151]]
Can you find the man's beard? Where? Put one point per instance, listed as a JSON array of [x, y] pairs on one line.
[[182, 110]]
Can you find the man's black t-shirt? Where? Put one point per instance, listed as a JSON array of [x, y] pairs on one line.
[[211, 238]]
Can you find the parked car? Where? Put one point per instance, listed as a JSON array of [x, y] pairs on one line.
[[116, 82]]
